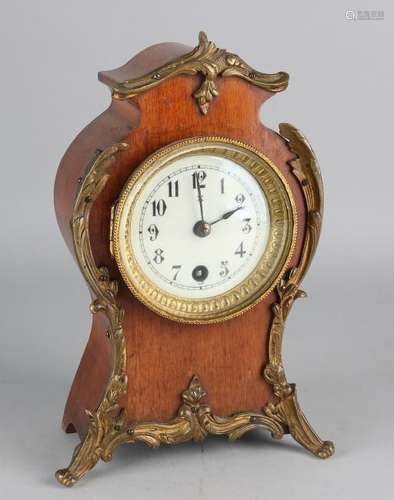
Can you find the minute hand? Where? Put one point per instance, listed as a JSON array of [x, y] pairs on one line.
[[200, 200], [226, 215]]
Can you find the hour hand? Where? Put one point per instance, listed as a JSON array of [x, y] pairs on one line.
[[226, 215]]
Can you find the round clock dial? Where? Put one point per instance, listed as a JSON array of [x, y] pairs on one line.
[[202, 229], [200, 226]]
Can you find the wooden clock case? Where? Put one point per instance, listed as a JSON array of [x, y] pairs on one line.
[[144, 377]]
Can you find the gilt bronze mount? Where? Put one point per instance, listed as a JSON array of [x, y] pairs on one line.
[[206, 59]]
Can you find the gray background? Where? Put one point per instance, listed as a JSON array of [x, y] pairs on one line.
[[338, 344]]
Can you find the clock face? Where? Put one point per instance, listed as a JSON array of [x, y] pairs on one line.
[[200, 226], [202, 229]]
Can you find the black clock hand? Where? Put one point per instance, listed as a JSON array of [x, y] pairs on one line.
[[227, 215], [201, 228], [200, 197]]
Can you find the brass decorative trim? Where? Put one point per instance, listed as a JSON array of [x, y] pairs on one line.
[[211, 62], [268, 271], [306, 169], [109, 426], [105, 291], [193, 422]]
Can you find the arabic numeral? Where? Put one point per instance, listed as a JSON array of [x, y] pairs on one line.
[[173, 189], [199, 176], [225, 270], [240, 198], [159, 207], [246, 228], [240, 250], [176, 268], [153, 232], [158, 258]]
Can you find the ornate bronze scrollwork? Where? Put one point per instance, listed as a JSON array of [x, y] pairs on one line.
[[105, 290], [211, 62], [285, 406]]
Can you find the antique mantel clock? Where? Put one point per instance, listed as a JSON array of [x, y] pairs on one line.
[[193, 225]]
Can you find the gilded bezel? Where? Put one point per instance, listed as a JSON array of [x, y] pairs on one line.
[[268, 271]]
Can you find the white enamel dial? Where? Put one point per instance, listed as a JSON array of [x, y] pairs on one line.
[[197, 226]]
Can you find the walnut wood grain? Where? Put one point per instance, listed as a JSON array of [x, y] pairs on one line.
[[91, 377], [162, 355]]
